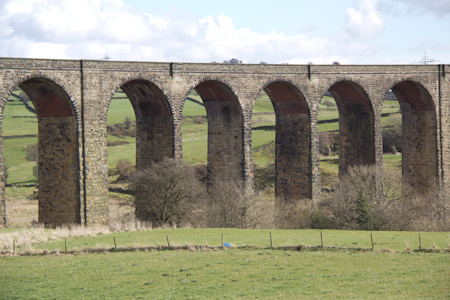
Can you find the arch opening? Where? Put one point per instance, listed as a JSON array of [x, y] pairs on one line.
[[19, 130], [139, 120], [58, 167], [195, 132]]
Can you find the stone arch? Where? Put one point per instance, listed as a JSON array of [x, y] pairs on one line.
[[59, 169], [356, 84], [357, 145], [154, 120], [226, 159], [287, 82], [201, 80], [152, 82], [419, 134], [293, 159], [16, 82]]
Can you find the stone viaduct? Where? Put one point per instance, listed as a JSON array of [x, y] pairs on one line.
[[72, 99]]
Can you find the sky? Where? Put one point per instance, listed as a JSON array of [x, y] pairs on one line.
[[254, 31]]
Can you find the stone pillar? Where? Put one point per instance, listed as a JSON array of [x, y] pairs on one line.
[[59, 192], [249, 177], [419, 157], [154, 139], [293, 169], [225, 142], [356, 136], [2, 182], [96, 172], [444, 93]]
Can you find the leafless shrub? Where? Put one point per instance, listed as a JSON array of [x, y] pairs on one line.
[[199, 120], [367, 198], [167, 192], [432, 210], [127, 128], [329, 103], [125, 169], [117, 143], [392, 134], [230, 206], [32, 152], [328, 142], [295, 214], [202, 172]]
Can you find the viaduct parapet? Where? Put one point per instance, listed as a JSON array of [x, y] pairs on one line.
[[72, 98]]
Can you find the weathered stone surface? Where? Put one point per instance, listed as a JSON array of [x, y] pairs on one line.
[[72, 98]]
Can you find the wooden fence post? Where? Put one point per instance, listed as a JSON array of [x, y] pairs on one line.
[[420, 243], [371, 239]]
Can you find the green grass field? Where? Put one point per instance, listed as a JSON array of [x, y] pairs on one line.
[[252, 269], [235, 274]]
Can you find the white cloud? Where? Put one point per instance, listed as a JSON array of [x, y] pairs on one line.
[[89, 29], [440, 8], [363, 22]]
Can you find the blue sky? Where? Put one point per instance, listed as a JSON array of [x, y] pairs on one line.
[[282, 31]]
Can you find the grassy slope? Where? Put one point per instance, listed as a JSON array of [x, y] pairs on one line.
[[236, 273]]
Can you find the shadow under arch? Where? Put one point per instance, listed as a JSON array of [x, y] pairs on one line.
[[356, 125], [154, 122], [58, 152], [293, 164], [225, 131], [419, 135]]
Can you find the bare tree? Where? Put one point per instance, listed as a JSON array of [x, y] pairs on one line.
[[328, 103], [368, 198], [230, 207], [233, 61], [168, 192]]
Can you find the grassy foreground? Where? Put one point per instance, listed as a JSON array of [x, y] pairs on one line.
[[244, 272]]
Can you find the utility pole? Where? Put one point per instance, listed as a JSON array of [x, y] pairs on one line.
[[426, 60]]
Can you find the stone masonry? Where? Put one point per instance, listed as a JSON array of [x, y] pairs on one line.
[[72, 99]]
